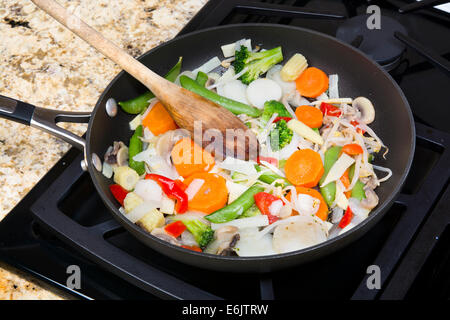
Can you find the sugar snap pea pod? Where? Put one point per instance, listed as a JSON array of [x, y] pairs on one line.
[[271, 177], [140, 103], [232, 105], [134, 148], [237, 207], [201, 78], [329, 191], [358, 189]]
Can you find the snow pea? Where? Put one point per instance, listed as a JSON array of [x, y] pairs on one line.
[[140, 103], [237, 207], [358, 189], [201, 78], [329, 191], [135, 147], [234, 106], [271, 177]]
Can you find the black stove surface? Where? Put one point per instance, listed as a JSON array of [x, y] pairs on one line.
[[63, 222]]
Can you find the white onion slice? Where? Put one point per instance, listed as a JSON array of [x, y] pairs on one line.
[[188, 239], [148, 190], [273, 168], [233, 164], [275, 207], [243, 42], [288, 150], [357, 209], [235, 190], [145, 155], [306, 204], [228, 50], [322, 97], [252, 222], [208, 66]]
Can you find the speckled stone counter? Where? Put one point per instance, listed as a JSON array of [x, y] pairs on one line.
[[46, 65]]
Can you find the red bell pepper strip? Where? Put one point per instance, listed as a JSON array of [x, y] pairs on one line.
[[270, 160], [118, 192], [356, 125], [175, 228], [287, 119], [193, 248], [348, 216], [330, 110], [181, 184], [172, 190], [263, 200]]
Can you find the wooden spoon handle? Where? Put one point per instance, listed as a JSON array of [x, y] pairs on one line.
[[96, 40]]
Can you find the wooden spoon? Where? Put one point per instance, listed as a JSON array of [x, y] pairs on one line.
[[184, 106]]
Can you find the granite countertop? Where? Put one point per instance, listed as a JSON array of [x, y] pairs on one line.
[[46, 65]]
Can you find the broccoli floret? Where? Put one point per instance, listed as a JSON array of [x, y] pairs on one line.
[[202, 233], [256, 62], [280, 136], [271, 107]]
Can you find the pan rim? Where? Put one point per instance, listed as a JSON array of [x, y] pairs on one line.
[[372, 219]]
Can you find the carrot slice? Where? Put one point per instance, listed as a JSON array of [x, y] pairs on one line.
[[352, 149], [158, 120], [211, 196], [322, 213], [312, 82], [310, 116], [304, 168], [189, 158], [346, 182]]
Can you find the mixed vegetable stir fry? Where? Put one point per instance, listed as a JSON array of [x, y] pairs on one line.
[[313, 180]]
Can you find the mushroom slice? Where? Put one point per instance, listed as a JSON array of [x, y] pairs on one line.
[[122, 156], [365, 107], [161, 234], [371, 199], [226, 249], [226, 236], [298, 234], [111, 154]]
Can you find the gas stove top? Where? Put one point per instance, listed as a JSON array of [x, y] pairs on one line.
[[62, 222]]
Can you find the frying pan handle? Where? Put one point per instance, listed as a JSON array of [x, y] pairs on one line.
[[44, 119]]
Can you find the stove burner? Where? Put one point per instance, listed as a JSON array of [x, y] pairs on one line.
[[379, 44]]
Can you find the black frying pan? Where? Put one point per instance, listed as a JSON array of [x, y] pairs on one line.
[[358, 76]]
